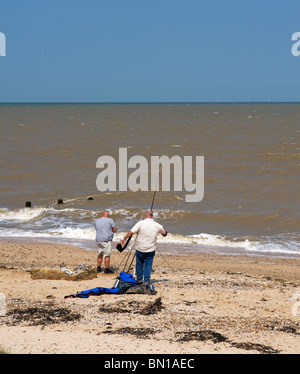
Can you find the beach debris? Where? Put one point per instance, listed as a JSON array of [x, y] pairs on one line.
[[152, 307], [28, 204], [77, 269], [201, 335], [60, 201], [42, 315], [216, 337], [254, 346], [81, 267], [288, 327], [138, 332], [66, 270], [112, 309], [134, 307]]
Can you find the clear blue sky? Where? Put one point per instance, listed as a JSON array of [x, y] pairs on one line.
[[149, 50]]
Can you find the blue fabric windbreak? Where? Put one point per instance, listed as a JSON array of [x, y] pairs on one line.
[[97, 291], [125, 282], [127, 278]]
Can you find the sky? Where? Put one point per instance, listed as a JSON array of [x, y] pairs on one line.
[[149, 51]]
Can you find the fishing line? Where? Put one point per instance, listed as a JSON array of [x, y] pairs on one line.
[[166, 260]]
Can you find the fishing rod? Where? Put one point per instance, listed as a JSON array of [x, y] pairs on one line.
[[151, 209], [157, 182], [121, 248]]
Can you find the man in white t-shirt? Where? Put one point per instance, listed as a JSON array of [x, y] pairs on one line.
[[147, 231]]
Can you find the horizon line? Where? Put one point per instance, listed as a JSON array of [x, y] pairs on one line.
[[149, 102]]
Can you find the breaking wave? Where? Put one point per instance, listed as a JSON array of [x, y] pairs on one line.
[[76, 226]]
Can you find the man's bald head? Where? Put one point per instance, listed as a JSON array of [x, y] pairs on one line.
[[149, 214]]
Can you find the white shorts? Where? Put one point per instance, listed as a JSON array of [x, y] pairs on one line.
[[105, 248]]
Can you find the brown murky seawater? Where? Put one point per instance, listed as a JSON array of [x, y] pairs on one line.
[[251, 180]]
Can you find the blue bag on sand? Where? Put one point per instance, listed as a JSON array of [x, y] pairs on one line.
[[124, 282]]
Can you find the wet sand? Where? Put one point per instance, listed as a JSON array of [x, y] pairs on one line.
[[205, 303]]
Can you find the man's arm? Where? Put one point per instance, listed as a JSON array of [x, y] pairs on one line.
[[128, 235], [164, 233]]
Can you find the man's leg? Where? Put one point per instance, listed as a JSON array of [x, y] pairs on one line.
[[139, 265], [107, 264], [148, 261], [99, 259], [100, 256], [107, 253]]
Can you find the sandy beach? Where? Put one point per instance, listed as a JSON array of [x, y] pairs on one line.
[[205, 303]]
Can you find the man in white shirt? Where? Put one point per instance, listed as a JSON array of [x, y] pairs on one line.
[[147, 231]]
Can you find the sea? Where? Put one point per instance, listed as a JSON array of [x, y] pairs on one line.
[[251, 200]]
